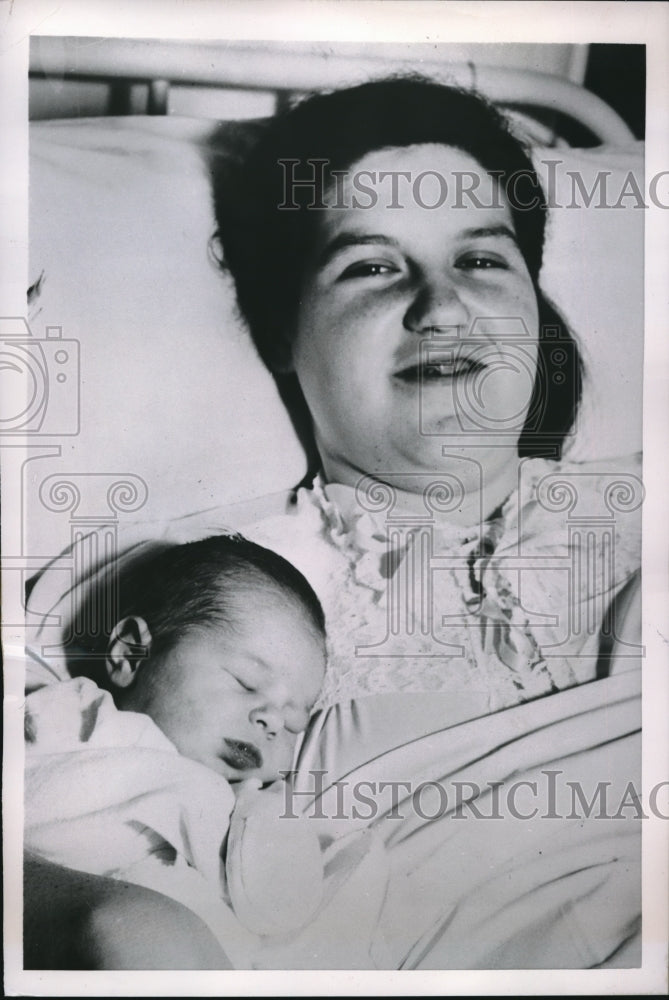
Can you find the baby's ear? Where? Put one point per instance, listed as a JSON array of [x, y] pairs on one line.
[[129, 645]]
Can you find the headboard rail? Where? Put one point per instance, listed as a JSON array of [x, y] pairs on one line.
[[290, 70]]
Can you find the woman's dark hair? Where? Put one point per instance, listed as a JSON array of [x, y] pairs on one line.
[[177, 588], [266, 247]]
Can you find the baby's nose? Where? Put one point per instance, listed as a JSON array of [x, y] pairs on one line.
[[267, 718]]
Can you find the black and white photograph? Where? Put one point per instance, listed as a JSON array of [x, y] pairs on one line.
[[334, 550]]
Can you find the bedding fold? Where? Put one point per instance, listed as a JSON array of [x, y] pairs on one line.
[[505, 841], [513, 840]]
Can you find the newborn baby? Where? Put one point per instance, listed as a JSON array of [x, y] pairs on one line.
[[219, 650]]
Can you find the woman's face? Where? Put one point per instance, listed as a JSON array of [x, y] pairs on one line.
[[418, 327]]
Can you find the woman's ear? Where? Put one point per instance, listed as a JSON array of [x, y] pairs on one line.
[[129, 645]]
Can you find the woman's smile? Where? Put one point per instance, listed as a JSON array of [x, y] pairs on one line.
[[438, 366]]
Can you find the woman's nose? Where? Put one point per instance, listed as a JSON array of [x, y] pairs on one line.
[[267, 718], [436, 305]]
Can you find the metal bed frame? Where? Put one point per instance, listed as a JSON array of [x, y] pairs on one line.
[[288, 71]]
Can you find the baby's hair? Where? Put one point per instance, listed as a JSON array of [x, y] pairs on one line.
[[178, 588]]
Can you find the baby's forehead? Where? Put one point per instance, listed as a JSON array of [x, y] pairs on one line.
[[277, 635], [254, 598]]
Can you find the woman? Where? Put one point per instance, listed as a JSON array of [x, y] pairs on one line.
[[441, 387], [428, 357], [386, 246]]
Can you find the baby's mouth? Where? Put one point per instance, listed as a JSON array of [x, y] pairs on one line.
[[435, 369], [241, 755]]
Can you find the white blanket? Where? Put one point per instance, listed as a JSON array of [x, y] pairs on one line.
[[106, 792]]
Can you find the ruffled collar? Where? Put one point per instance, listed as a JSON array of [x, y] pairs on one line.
[[344, 515], [373, 545]]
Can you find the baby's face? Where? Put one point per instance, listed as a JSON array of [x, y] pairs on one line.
[[236, 699]]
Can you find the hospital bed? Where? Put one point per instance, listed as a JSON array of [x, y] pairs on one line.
[[165, 409]]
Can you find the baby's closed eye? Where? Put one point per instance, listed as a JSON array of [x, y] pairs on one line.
[[244, 685]]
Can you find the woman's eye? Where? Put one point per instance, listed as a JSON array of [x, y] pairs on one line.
[[246, 687], [481, 262], [367, 269]]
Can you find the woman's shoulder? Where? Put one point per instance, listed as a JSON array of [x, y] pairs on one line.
[[595, 489], [611, 466], [563, 504]]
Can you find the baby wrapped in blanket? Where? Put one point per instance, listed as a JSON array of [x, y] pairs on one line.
[[158, 763]]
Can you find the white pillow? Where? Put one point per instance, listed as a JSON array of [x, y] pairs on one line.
[[593, 272], [171, 389]]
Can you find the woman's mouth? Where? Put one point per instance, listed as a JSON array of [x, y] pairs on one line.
[[436, 370], [241, 755]]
